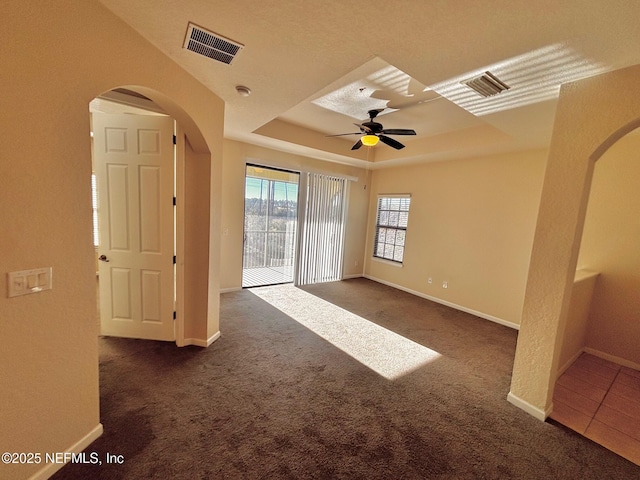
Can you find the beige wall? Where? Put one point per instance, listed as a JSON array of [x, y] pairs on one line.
[[471, 224], [610, 245], [196, 243], [236, 154], [56, 57]]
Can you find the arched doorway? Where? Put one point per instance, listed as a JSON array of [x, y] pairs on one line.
[[610, 247], [186, 239], [592, 115], [597, 383]]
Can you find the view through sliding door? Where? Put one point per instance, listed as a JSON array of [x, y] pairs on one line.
[[270, 226]]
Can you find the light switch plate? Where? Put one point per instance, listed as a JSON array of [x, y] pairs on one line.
[[25, 282]]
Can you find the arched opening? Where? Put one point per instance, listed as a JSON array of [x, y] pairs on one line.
[[592, 115], [610, 238], [173, 298], [599, 361], [607, 259]]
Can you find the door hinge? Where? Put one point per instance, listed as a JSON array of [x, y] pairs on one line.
[[174, 201], [174, 259], [175, 140], [174, 315]]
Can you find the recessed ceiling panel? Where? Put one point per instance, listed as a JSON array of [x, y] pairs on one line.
[[407, 103], [386, 87]]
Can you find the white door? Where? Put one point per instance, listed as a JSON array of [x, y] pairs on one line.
[[133, 157]]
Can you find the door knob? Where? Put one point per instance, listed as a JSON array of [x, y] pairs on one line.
[[103, 258]]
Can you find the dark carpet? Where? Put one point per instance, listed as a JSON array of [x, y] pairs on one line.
[[272, 399]]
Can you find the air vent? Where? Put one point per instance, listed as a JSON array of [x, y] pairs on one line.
[[486, 84], [211, 44]]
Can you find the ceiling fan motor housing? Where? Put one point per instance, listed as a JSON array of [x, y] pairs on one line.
[[373, 127]]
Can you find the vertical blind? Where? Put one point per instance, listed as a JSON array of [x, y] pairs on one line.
[[322, 234]]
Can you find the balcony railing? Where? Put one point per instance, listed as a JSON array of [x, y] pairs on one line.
[[268, 249]]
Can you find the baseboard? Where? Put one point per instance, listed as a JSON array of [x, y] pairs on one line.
[[51, 468], [198, 342], [354, 275], [612, 358], [448, 304], [530, 409], [230, 289], [566, 366]]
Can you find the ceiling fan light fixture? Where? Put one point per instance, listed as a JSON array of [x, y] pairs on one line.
[[370, 140]]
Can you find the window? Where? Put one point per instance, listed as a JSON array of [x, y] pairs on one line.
[[391, 227]]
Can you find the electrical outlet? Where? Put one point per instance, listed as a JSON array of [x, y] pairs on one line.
[[445, 284]]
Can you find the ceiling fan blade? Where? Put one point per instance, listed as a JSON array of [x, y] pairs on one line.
[[399, 131], [363, 128], [342, 134], [357, 145], [391, 142]]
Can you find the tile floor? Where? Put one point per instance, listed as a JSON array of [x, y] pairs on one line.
[[601, 400]]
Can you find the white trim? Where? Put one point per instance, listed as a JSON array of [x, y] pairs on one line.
[[353, 275], [387, 261], [448, 304], [132, 101], [77, 447], [565, 367], [202, 343], [230, 289], [599, 354], [584, 274], [530, 409], [612, 358], [394, 195]]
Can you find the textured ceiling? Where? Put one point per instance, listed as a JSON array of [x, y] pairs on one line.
[[312, 67]]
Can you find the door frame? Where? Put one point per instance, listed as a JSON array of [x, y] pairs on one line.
[[258, 164], [179, 232]]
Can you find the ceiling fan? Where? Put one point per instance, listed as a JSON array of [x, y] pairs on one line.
[[373, 131]]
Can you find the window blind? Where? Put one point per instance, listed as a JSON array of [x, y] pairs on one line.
[[391, 227], [322, 233]]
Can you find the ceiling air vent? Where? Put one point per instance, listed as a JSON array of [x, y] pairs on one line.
[[486, 84], [211, 44]]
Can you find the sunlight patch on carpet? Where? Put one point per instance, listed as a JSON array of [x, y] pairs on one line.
[[383, 351]]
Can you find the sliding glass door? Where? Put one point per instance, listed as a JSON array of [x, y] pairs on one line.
[[270, 226], [274, 251]]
